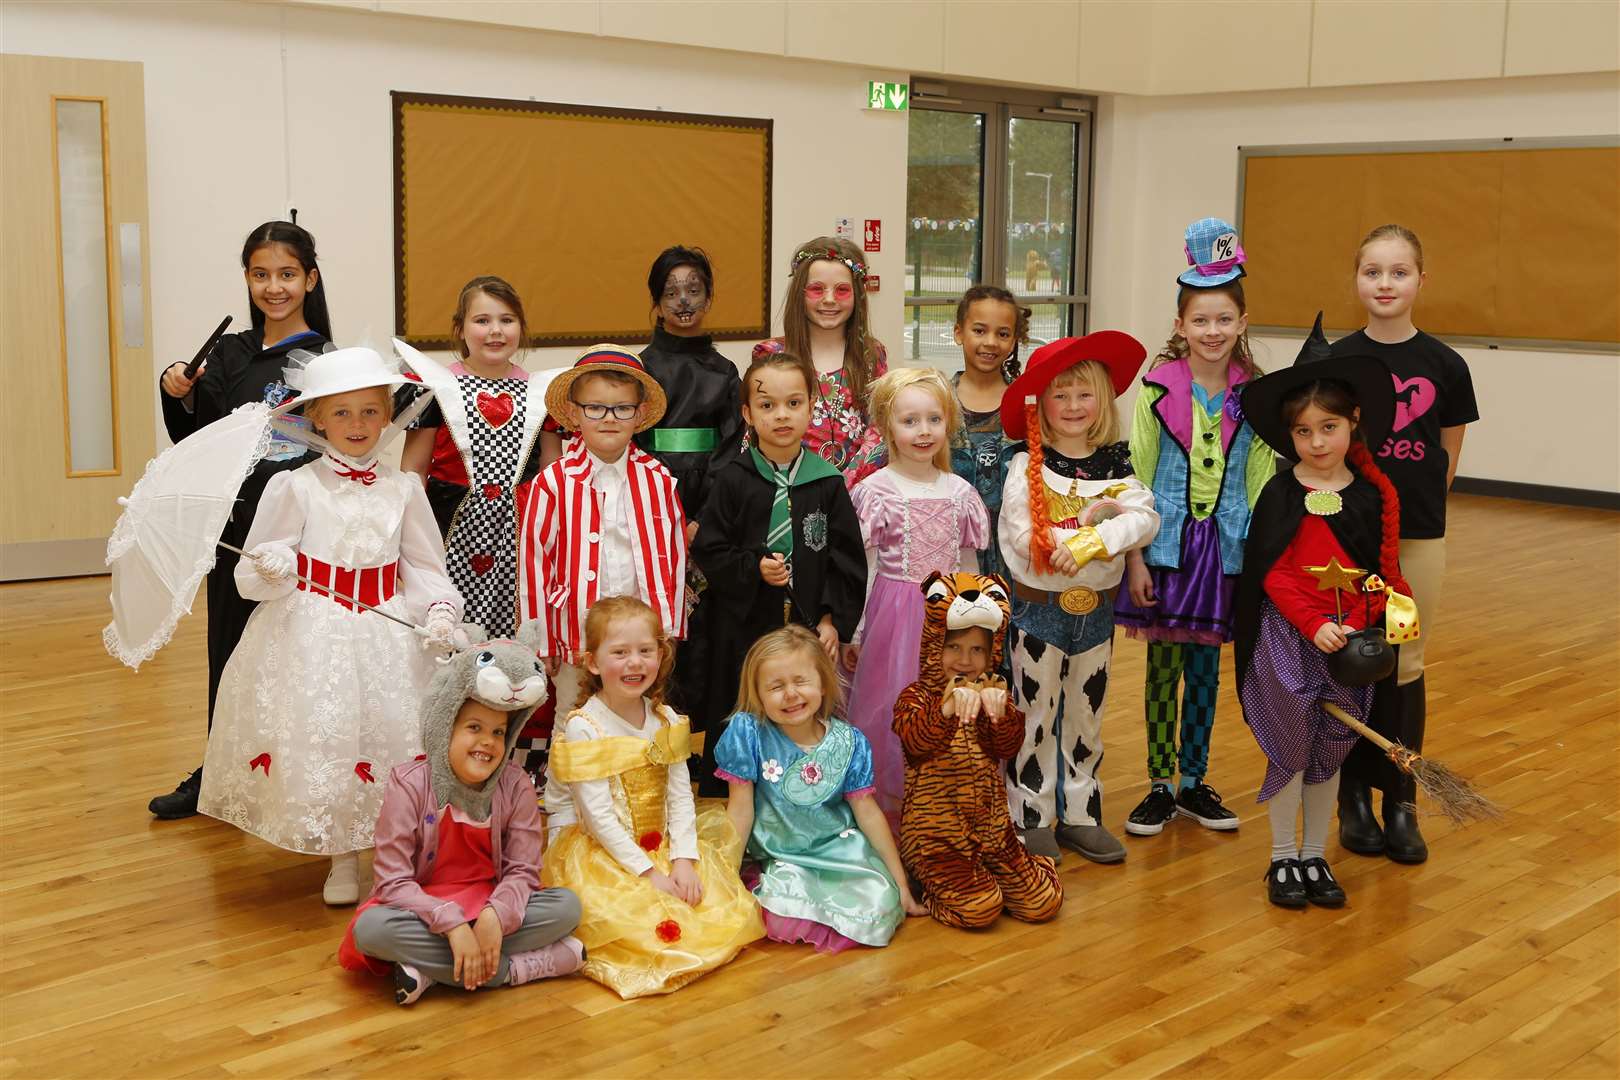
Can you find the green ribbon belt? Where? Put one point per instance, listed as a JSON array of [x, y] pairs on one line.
[[684, 440]]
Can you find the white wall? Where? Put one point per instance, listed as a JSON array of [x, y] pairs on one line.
[[1546, 417], [254, 107], [250, 106]]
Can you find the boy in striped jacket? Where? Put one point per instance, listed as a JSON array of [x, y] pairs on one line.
[[602, 520]]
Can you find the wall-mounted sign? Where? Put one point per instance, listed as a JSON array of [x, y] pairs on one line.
[[874, 234], [888, 96]]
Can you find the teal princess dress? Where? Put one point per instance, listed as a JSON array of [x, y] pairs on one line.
[[818, 879]]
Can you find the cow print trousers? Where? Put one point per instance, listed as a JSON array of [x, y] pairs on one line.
[[1054, 776]]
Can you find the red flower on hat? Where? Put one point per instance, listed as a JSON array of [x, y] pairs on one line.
[[649, 841], [668, 931]]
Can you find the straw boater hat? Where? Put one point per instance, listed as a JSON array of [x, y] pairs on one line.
[[1369, 380], [1120, 353], [603, 358]]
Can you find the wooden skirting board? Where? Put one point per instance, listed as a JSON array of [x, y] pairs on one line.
[[136, 948]]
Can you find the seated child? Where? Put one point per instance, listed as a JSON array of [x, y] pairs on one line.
[[657, 880], [957, 728], [802, 793], [456, 896]]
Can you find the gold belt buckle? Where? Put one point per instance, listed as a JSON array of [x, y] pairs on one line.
[[1078, 600]]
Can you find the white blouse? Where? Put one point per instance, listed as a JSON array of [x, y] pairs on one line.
[[1133, 528], [348, 523]]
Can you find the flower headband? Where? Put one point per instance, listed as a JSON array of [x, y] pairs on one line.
[[856, 267]]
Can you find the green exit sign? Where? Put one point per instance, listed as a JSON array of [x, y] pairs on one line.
[[891, 96]]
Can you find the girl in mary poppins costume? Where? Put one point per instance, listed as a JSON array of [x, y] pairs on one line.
[[1321, 586]]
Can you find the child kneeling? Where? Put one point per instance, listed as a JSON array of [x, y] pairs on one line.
[[456, 897], [957, 727]]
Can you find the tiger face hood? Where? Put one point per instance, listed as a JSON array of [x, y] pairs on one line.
[[956, 602]]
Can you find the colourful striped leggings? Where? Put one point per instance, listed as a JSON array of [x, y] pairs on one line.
[[1199, 666]]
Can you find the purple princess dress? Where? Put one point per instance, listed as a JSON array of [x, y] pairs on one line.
[[911, 530]]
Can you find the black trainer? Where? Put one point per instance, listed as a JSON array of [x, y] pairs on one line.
[[1151, 814], [179, 803], [1321, 888], [1284, 885], [1202, 803]]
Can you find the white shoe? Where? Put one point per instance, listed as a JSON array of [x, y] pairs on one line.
[[343, 881]]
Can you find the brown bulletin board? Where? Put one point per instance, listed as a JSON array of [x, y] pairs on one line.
[[1521, 241], [571, 204]]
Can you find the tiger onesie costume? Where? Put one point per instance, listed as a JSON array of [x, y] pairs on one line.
[[956, 837]]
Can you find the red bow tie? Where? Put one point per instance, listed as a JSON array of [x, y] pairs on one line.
[[365, 476]]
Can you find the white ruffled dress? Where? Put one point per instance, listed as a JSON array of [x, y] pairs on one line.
[[318, 701]]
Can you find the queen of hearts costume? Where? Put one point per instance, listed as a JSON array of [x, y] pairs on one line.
[[321, 699]]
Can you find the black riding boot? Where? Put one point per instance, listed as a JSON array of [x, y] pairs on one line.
[[1403, 842], [1359, 830]]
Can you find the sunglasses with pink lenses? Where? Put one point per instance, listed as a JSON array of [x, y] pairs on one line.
[[816, 291]]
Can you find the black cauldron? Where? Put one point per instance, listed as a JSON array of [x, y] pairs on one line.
[[1365, 659]]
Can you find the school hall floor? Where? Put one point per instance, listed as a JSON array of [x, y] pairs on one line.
[[149, 949]]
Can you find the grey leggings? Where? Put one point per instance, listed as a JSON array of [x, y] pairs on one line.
[[400, 937]]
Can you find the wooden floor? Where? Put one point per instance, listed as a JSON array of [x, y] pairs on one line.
[[147, 949]]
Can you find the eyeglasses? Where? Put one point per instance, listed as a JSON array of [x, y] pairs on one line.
[[600, 412], [816, 291]]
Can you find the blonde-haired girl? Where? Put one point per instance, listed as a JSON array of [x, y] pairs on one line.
[[917, 517], [1070, 507], [828, 872]]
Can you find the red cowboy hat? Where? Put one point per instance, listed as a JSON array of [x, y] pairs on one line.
[[1120, 353]]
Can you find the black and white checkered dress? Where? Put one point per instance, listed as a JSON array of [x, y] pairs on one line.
[[481, 546]]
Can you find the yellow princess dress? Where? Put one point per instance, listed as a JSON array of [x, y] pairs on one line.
[[628, 806]]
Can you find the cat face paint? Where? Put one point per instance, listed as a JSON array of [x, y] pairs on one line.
[[684, 302]]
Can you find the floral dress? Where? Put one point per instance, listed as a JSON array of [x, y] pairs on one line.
[[840, 430]]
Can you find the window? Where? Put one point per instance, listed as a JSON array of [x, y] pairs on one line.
[[998, 191]]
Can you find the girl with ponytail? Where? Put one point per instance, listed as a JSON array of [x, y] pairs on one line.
[[1070, 509], [1321, 598]]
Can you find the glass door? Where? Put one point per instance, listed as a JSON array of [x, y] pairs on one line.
[[997, 191], [944, 218]]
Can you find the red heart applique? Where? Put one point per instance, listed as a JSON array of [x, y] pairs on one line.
[[260, 762], [481, 564], [496, 409], [492, 491]]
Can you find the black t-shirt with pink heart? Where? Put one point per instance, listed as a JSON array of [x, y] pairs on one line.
[[1433, 390]]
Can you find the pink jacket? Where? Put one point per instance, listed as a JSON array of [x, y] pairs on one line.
[[408, 837]]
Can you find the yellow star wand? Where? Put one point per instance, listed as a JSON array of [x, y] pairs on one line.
[[1336, 577]]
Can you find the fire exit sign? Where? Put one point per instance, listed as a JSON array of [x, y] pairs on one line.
[[890, 96]]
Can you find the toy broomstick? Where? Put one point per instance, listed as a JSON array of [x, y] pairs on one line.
[[1455, 796]]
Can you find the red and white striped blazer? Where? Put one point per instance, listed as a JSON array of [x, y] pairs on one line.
[[559, 550]]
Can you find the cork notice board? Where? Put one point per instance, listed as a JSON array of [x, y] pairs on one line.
[[1521, 241], [571, 204]]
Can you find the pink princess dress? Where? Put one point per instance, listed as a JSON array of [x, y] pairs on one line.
[[911, 530]]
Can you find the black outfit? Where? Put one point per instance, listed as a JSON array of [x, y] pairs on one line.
[[829, 576], [704, 395], [1433, 390], [1110, 462], [240, 371], [704, 392]]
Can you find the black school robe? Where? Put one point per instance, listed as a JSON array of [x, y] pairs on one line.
[[1277, 516], [829, 575], [240, 371]]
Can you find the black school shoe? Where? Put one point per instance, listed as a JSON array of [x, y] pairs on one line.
[[179, 803], [1152, 813], [1321, 888], [1285, 886], [1202, 803]]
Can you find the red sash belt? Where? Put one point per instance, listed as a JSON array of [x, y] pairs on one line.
[[372, 586]]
